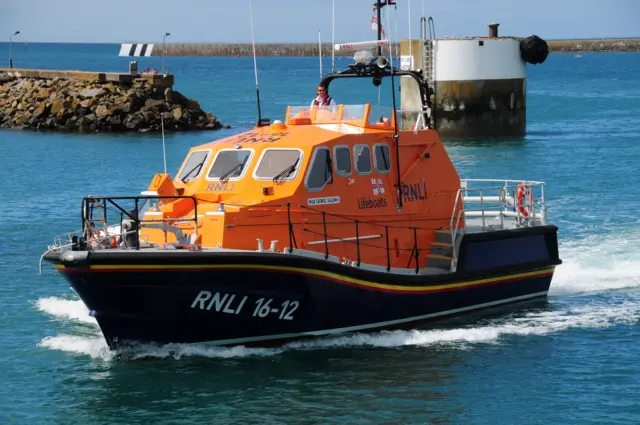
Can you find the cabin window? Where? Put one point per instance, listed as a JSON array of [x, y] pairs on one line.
[[319, 173], [382, 158], [194, 166], [342, 156], [230, 164], [278, 164], [362, 158]]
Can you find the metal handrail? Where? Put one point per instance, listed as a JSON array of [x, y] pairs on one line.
[[462, 196], [89, 203], [529, 205]]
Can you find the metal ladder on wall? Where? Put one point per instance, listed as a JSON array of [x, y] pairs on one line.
[[428, 58]]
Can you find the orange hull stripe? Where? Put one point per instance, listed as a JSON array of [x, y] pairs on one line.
[[315, 273]]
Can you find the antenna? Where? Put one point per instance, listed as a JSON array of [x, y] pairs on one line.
[[395, 112], [261, 122], [320, 52], [389, 37], [395, 16], [410, 41], [378, 11], [333, 36], [164, 152]]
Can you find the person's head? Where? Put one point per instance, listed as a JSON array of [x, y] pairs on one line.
[[322, 91]]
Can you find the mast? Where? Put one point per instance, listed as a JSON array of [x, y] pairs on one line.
[[379, 10]]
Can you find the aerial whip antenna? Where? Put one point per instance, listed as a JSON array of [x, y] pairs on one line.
[[164, 151], [333, 36], [410, 41], [320, 52], [395, 112], [389, 36], [255, 68]]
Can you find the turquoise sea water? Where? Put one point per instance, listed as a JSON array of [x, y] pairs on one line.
[[571, 360]]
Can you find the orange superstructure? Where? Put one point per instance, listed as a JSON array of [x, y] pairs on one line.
[[322, 170]]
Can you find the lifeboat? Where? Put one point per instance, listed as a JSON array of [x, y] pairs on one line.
[[349, 218]]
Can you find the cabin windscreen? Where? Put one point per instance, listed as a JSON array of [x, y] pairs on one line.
[[322, 113], [382, 158], [320, 171], [193, 166], [282, 163], [379, 114], [342, 155], [353, 112], [229, 164], [362, 158]]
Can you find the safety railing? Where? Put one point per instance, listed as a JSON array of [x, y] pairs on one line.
[[97, 232], [496, 204], [486, 203], [357, 239]]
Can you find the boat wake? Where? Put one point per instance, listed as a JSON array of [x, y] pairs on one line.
[[598, 263], [591, 266], [65, 309], [537, 322]]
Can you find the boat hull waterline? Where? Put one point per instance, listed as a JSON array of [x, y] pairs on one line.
[[241, 301]]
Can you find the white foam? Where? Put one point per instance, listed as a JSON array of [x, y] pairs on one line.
[[95, 347], [598, 263], [65, 309], [535, 323], [531, 323]]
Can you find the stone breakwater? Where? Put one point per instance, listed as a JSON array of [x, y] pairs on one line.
[[311, 49], [609, 45], [80, 105]]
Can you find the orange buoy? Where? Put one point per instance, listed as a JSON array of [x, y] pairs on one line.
[[521, 195]]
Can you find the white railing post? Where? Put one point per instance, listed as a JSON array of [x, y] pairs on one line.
[[484, 223]]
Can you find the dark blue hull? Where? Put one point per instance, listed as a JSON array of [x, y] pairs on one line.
[[253, 298]]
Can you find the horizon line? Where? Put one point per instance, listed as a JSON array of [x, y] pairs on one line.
[[297, 42]]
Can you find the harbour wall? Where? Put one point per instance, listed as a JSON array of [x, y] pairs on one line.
[[311, 49], [77, 101]]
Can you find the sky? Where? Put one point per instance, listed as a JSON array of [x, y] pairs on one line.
[[276, 21]]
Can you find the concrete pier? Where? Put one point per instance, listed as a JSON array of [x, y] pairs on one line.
[[155, 80]]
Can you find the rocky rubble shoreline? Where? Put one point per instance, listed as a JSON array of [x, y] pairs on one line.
[[67, 104]]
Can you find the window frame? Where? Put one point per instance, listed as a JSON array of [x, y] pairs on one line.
[[375, 162], [241, 176], [310, 167], [297, 170], [335, 162], [355, 160], [186, 161]]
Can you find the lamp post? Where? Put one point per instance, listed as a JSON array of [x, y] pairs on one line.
[[163, 51], [11, 48]]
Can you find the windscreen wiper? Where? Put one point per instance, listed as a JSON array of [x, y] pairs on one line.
[[286, 172], [197, 167], [235, 168]]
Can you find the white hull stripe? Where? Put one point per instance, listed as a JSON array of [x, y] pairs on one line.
[[374, 325]]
